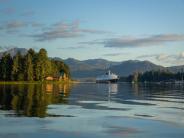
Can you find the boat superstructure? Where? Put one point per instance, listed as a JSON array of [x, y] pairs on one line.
[[107, 77]]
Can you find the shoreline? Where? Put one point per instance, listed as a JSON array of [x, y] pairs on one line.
[[38, 82], [77, 82]]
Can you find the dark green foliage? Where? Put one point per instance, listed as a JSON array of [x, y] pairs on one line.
[[60, 67], [30, 67], [155, 76], [5, 67], [15, 68], [18, 67]]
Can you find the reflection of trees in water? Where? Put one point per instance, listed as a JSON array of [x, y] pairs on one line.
[[32, 100], [146, 89], [57, 93], [135, 87]]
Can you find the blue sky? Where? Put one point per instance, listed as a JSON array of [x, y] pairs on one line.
[[116, 30]]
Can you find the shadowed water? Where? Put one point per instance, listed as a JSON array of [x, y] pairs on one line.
[[92, 110]]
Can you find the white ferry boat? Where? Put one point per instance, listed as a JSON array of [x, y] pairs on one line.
[[107, 77]]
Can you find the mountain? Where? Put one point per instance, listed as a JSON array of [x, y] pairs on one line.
[[14, 51], [128, 67], [88, 68], [100, 63], [89, 64], [94, 67], [175, 69]]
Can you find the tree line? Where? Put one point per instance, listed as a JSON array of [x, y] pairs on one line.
[[34, 66], [154, 76]]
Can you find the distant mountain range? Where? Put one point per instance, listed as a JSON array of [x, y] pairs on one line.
[[128, 67], [14, 51], [93, 67]]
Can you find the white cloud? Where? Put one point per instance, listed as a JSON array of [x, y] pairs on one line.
[[115, 54], [162, 57], [17, 25], [7, 11], [64, 30], [181, 55], [133, 42], [169, 59]]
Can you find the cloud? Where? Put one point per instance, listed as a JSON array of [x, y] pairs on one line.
[[48, 33], [181, 56], [94, 42], [2, 1], [72, 47], [12, 10], [7, 11], [146, 41], [64, 30], [147, 56], [17, 25], [36, 24], [170, 59], [90, 31], [114, 54], [28, 13], [173, 57], [12, 26], [133, 42], [162, 57]]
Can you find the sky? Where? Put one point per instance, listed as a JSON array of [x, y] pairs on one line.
[[115, 30]]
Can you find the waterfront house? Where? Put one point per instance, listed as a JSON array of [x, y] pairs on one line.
[[61, 77]]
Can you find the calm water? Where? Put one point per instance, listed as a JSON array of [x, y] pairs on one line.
[[92, 110]]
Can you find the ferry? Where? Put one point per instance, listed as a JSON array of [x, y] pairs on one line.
[[108, 77]]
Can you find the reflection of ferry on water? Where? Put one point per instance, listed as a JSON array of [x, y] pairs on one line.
[[112, 90], [108, 77]]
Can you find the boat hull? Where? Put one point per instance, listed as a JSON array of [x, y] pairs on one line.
[[107, 81]]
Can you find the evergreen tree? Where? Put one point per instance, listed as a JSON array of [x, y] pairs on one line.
[[9, 66], [15, 67], [42, 65], [21, 74], [29, 68], [6, 67], [31, 52]]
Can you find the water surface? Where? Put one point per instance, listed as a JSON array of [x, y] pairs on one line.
[[92, 110]]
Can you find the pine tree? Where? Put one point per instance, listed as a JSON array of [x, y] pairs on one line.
[[15, 68], [9, 66], [6, 67], [29, 68]]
